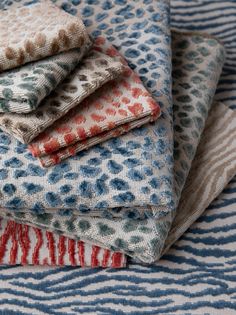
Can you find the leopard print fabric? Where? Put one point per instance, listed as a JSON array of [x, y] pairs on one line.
[[149, 148], [91, 73], [124, 102], [23, 88], [35, 31]]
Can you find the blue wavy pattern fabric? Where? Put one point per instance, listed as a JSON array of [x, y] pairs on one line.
[[191, 278]]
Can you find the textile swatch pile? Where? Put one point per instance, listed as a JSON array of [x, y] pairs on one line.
[[111, 143]]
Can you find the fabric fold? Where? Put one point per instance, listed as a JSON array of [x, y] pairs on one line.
[[35, 30], [124, 102], [213, 167], [22, 89], [25, 245], [92, 72]]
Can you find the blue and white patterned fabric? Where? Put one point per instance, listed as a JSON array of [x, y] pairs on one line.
[[192, 278]]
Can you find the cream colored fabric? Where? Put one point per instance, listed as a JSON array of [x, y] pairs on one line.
[[35, 31]]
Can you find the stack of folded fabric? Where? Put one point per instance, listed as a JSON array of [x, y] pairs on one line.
[[98, 136]]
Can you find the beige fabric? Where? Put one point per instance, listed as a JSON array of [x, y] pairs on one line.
[[212, 168], [36, 31], [92, 72]]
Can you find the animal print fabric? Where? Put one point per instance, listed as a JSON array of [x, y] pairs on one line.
[[23, 88], [24, 245], [206, 168], [107, 177], [122, 102], [92, 72], [144, 239], [213, 167], [38, 30]]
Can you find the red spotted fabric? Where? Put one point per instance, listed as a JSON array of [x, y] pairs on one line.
[[115, 108]]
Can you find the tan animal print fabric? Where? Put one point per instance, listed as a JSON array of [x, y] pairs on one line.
[[92, 72], [35, 31]]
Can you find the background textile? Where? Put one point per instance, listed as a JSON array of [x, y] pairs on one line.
[[193, 278]]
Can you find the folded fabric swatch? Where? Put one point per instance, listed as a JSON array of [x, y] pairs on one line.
[[213, 167], [37, 30], [197, 62], [25, 245], [92, 72], [119, 102], [23, 88]]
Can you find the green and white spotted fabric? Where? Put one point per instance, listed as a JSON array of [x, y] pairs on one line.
[[91, 73], [197, 64], [23, 88]]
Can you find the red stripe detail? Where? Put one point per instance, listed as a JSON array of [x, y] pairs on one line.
[[24, 243], [71, 249], [94, 259], [4, 239], [61, 250], [14, 247], [51, 247], [106, 257], [117, 260], [39, 236], [81, 253], [45, 261]]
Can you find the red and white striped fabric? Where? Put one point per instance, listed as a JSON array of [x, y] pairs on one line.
[[26, 245]]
